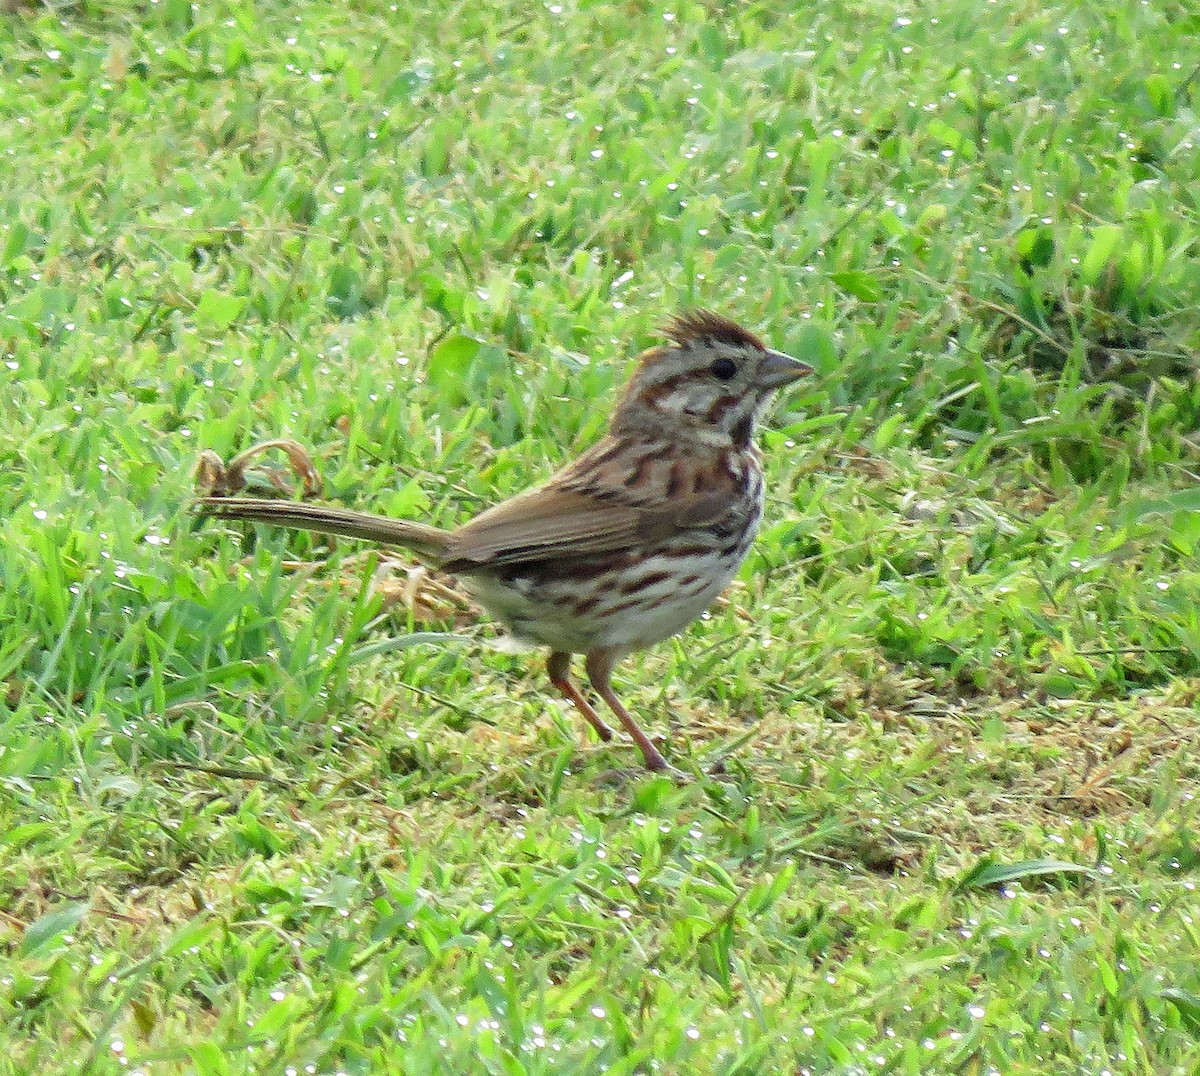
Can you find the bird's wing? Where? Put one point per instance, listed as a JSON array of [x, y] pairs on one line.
[[614, 498]]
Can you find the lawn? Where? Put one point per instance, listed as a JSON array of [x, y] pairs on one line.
[[271, 805]]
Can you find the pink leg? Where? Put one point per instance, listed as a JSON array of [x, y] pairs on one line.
[[559, 668], [599, 668]]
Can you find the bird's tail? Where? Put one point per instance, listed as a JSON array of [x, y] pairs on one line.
[[429, 542]]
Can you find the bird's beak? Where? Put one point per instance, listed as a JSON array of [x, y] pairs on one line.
[[778, 369]]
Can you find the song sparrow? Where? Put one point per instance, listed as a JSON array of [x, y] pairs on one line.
[[628, 544]]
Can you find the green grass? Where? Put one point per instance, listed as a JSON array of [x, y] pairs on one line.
[[238, 834]]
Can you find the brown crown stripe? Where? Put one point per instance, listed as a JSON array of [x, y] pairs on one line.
[[695, 325]]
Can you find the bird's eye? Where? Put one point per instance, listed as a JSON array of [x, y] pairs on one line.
[[723, 369]]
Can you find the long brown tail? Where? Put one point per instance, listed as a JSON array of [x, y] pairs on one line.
[[428, 541]]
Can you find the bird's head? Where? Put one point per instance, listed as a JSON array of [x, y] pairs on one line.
[[711, 386]]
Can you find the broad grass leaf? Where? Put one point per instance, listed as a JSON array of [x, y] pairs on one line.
[[403, 642], [52, 925], [466, 370], [814, 344], [1187, 1005], [859, 284], [1187, 500], [217, 310], [987, 872], [1105, 241]]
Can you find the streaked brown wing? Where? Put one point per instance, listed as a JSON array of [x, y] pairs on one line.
[[608, 500]]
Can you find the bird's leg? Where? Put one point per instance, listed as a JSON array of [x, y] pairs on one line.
[[599, 668], [559, 668]]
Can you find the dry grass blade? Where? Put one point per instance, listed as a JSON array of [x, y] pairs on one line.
[[215, 478]]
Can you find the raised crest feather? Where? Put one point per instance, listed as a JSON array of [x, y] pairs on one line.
[[694, 326]]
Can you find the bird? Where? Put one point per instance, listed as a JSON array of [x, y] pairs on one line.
[[624, 546]]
